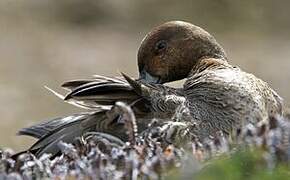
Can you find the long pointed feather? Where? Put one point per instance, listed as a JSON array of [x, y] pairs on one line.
[[94, 89], [55, 93], [70, 85], [42, 129], [80, 104]]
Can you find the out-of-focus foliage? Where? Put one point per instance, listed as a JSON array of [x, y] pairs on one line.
[[243, 165], [221, 14], [240, 165]]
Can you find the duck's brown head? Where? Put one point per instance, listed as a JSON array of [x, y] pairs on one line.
[[169, 51]]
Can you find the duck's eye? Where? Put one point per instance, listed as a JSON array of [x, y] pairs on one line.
[[160, 45]]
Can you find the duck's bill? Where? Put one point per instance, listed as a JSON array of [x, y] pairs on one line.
[[146, 77]]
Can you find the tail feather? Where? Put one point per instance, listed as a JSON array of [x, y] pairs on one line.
[[44, 128], [71, 85], [77, 103], [100, 92], [62, 129], [48, 144], [68, 128]]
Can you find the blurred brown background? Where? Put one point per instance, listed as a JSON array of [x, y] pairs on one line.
[[49, 41]]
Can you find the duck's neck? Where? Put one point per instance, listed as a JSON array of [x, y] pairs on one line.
[[209, 63]]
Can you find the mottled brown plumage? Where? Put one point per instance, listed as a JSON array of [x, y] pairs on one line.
[[218, 95]]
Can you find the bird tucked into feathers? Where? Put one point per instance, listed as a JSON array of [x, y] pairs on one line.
[[216, 96]]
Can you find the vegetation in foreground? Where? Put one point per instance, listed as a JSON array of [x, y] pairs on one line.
[[254, 152]]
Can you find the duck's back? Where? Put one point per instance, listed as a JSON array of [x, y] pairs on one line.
[[225, 97]]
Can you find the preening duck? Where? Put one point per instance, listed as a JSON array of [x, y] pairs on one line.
[[216, 95]]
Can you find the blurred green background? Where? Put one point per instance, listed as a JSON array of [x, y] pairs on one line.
[[49, 41]]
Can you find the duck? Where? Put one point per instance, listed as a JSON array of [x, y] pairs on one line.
[[216, 96]]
